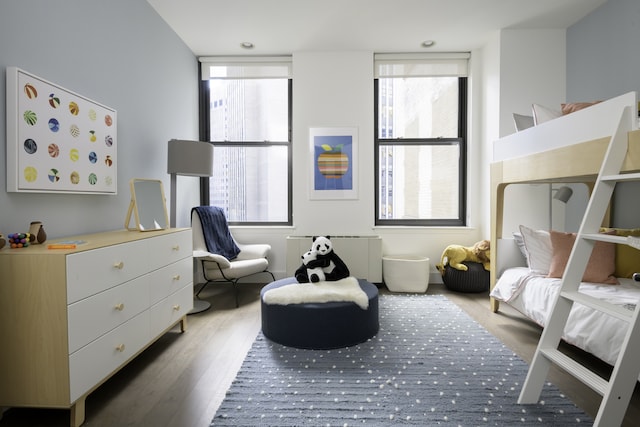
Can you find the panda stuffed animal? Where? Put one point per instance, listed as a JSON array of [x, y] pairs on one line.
[[315, 274], [326, 258]]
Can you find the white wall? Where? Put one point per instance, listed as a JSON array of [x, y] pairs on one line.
[[335, 89], [532, 69], [119, 53]]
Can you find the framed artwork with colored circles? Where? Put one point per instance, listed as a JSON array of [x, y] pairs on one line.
[[333, 163], [58, 141]]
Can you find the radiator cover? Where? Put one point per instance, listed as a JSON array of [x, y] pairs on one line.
[[362, 254]]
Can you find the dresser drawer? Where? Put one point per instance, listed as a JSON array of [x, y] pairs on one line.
[[170, 310], [92, 363], [91, 272], [167, 280], [92, 317], [170, 248]]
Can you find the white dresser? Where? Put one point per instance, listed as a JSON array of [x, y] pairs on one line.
[[71, 318]]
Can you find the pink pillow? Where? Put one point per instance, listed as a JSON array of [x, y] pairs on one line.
[[576, 106], [601, 265]]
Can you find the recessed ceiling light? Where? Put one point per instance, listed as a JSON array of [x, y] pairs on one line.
[[246, 45], [428, 43]]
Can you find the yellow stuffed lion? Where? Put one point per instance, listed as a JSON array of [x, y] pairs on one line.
[[454, 255]]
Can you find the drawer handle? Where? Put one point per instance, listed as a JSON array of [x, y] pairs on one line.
[[176, 277], [120, 348], [176, 307], [119, 265], [176, 248], [119, 307]]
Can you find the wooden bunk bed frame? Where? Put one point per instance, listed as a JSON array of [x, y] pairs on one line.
[[577, 161]]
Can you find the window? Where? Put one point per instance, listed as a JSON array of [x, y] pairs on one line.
[[248, 119], [420, 140]]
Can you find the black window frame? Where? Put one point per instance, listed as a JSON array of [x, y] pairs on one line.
[[461, 141], [205, 135]]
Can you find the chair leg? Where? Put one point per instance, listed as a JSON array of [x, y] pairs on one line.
[[235, 290], [201, 288], [232, 281]]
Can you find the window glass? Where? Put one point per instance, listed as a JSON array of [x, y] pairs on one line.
[[420, 150], [249, 126], [419, 182]]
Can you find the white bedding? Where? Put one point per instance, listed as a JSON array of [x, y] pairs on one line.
[[590, 330]]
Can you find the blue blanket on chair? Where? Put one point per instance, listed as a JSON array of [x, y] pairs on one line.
[[216, 231]]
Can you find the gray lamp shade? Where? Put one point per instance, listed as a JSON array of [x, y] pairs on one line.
[[563, 194], [190, 158]]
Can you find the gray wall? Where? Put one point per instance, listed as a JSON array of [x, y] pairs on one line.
[[603, 52], [603, 61], [119, 53]]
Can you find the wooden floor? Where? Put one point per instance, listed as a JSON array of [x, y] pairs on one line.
[[182, 378]]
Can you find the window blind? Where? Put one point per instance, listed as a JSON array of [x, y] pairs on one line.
[[255, 67], [421, 64]]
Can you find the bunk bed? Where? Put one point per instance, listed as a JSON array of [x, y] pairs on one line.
[[567, 149]]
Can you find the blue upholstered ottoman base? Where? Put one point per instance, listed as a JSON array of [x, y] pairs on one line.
[[320, 325]]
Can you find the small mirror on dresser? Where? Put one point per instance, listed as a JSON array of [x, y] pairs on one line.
[[148, 205]]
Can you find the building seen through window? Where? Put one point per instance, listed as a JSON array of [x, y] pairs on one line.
[[249, 126]]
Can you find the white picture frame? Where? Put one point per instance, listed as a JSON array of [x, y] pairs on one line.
[[58, 141]]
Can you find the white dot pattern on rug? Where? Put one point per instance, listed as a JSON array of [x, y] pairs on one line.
[[429, 365]]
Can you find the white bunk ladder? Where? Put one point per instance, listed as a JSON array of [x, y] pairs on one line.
[[617, 391]]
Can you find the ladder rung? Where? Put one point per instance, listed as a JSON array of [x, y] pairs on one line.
[[599, 305], [601, 237], [622, 177], [587, 376], [633, 241]]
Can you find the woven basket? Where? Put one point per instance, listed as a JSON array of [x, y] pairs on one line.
[[474, 280]]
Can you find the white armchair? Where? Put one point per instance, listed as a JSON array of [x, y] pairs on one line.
[[216, 267]]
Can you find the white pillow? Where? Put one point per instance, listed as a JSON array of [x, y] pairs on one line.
[[522, 122], [543, 114], [520, 242], [539, 250]]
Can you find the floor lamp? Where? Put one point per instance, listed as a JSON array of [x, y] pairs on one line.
[[188, 158]]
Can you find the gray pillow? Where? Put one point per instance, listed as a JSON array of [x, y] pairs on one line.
[[522, 122]]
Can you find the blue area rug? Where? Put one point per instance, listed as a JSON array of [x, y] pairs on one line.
[[430, 364]]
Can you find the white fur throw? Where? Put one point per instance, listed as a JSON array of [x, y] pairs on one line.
[[346, 289]]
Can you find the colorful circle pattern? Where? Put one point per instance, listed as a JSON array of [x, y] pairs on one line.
[[30, 117], [54, 175], [90, 162], [54, 101], [30, 91], [30, 174], [54, 150], [30, 146], [54, 125]]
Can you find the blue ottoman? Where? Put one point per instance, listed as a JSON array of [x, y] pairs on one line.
[[320, 326]]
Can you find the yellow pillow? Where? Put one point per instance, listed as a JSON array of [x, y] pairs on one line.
[[627, 258]]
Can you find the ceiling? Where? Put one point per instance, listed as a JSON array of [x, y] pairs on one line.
[[218, 27]]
